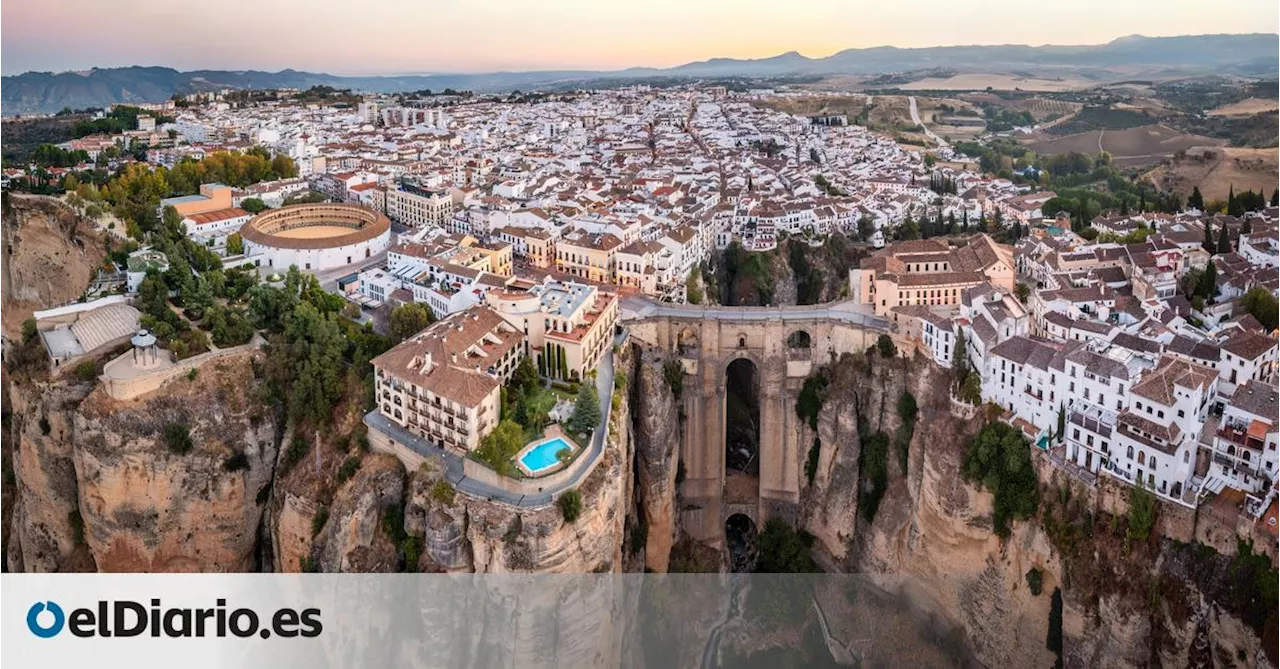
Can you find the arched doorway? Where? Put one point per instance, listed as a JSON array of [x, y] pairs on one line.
[[742, 432], [740, 542]]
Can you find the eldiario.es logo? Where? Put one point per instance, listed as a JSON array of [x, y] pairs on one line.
[[124, 618]]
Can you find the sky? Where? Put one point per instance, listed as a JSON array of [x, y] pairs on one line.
[[436, 36]]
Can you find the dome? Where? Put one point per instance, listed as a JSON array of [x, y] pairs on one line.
[[143, 339]]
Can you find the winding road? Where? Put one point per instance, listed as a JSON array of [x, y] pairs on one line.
[[915, 118]]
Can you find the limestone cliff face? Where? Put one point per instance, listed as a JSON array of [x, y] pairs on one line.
[[352, 540], [100, 486], [658, 426], [932, 540], [149, 506], [45, 534], [50, 256]]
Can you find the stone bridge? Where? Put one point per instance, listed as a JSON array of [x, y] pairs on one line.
[[784, 344]]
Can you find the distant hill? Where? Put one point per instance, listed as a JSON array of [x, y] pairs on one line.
[[1246, 55]]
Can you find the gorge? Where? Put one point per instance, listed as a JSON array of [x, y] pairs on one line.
[[204, 475]]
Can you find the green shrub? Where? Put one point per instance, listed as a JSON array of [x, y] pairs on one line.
[[884, 344], [999, 460], [177, 437], [809, 401], [318, 521], [193, 373], [237, 461], [1142, 514], [348, 468], [673, 373], [86, 371], [297, 449], [783, 550], [570, 505], [873, 467], [412, 548], [393, 524], [442, 492]]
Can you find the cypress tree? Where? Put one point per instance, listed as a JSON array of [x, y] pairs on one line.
[[1224, 241], [1208, 286], [1208, 237], [1275, 198], [1196, 200]]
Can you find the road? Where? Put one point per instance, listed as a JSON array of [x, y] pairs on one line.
[[915, 118], [640, 308]]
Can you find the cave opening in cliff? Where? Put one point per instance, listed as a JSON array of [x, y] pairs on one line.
[[742, 418], [740, 541]]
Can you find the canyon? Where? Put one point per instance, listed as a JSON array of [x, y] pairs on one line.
[[205, 475]]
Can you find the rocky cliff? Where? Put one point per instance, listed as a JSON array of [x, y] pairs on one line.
[[50, 256], [167, 482], [657, 462], [931, 539]]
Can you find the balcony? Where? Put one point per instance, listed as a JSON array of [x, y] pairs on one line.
[[1238, 435]]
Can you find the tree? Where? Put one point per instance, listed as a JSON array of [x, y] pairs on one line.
[[1196, 200], [253, 205], [1023, 291], [235, 244], [999, 460], [501, 445], [586, 410], [884, 344], [1262, 305], [1062, 421], [1208, 238], [1275, 198], [314, 345], [570, 504], [960, 357], [693, 288], [1224, 240], [866, 228], [410, 319], [1209, 282], [1234, 206]]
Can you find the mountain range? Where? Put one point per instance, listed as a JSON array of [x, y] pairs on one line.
[[1250, 55]]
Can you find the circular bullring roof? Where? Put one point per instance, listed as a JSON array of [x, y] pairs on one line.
[[315, 226]]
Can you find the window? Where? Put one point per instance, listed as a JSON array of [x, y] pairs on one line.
[[1182, 414], [1130, 453]]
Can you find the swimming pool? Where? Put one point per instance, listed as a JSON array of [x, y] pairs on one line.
[[543, 456]]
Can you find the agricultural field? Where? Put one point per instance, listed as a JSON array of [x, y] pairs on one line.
[[1004, 82], [1215, 170], [1246, 107], [1129, 147]]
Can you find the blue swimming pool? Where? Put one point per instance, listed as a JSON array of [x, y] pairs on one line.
[[543, 456]]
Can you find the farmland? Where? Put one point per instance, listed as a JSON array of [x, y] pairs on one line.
[[1246, 107], [1215, 170], [1007, 82], [1130, 147]]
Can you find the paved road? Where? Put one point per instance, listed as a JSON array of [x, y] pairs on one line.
[[639, 308], [915, 118]]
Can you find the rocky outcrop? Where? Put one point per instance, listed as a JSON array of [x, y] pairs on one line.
[[658, 426], [170, 482], [46, 533], [50, 256], [352, 540], [167, 482]]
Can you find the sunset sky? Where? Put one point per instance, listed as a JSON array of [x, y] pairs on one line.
[[424, 36]]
